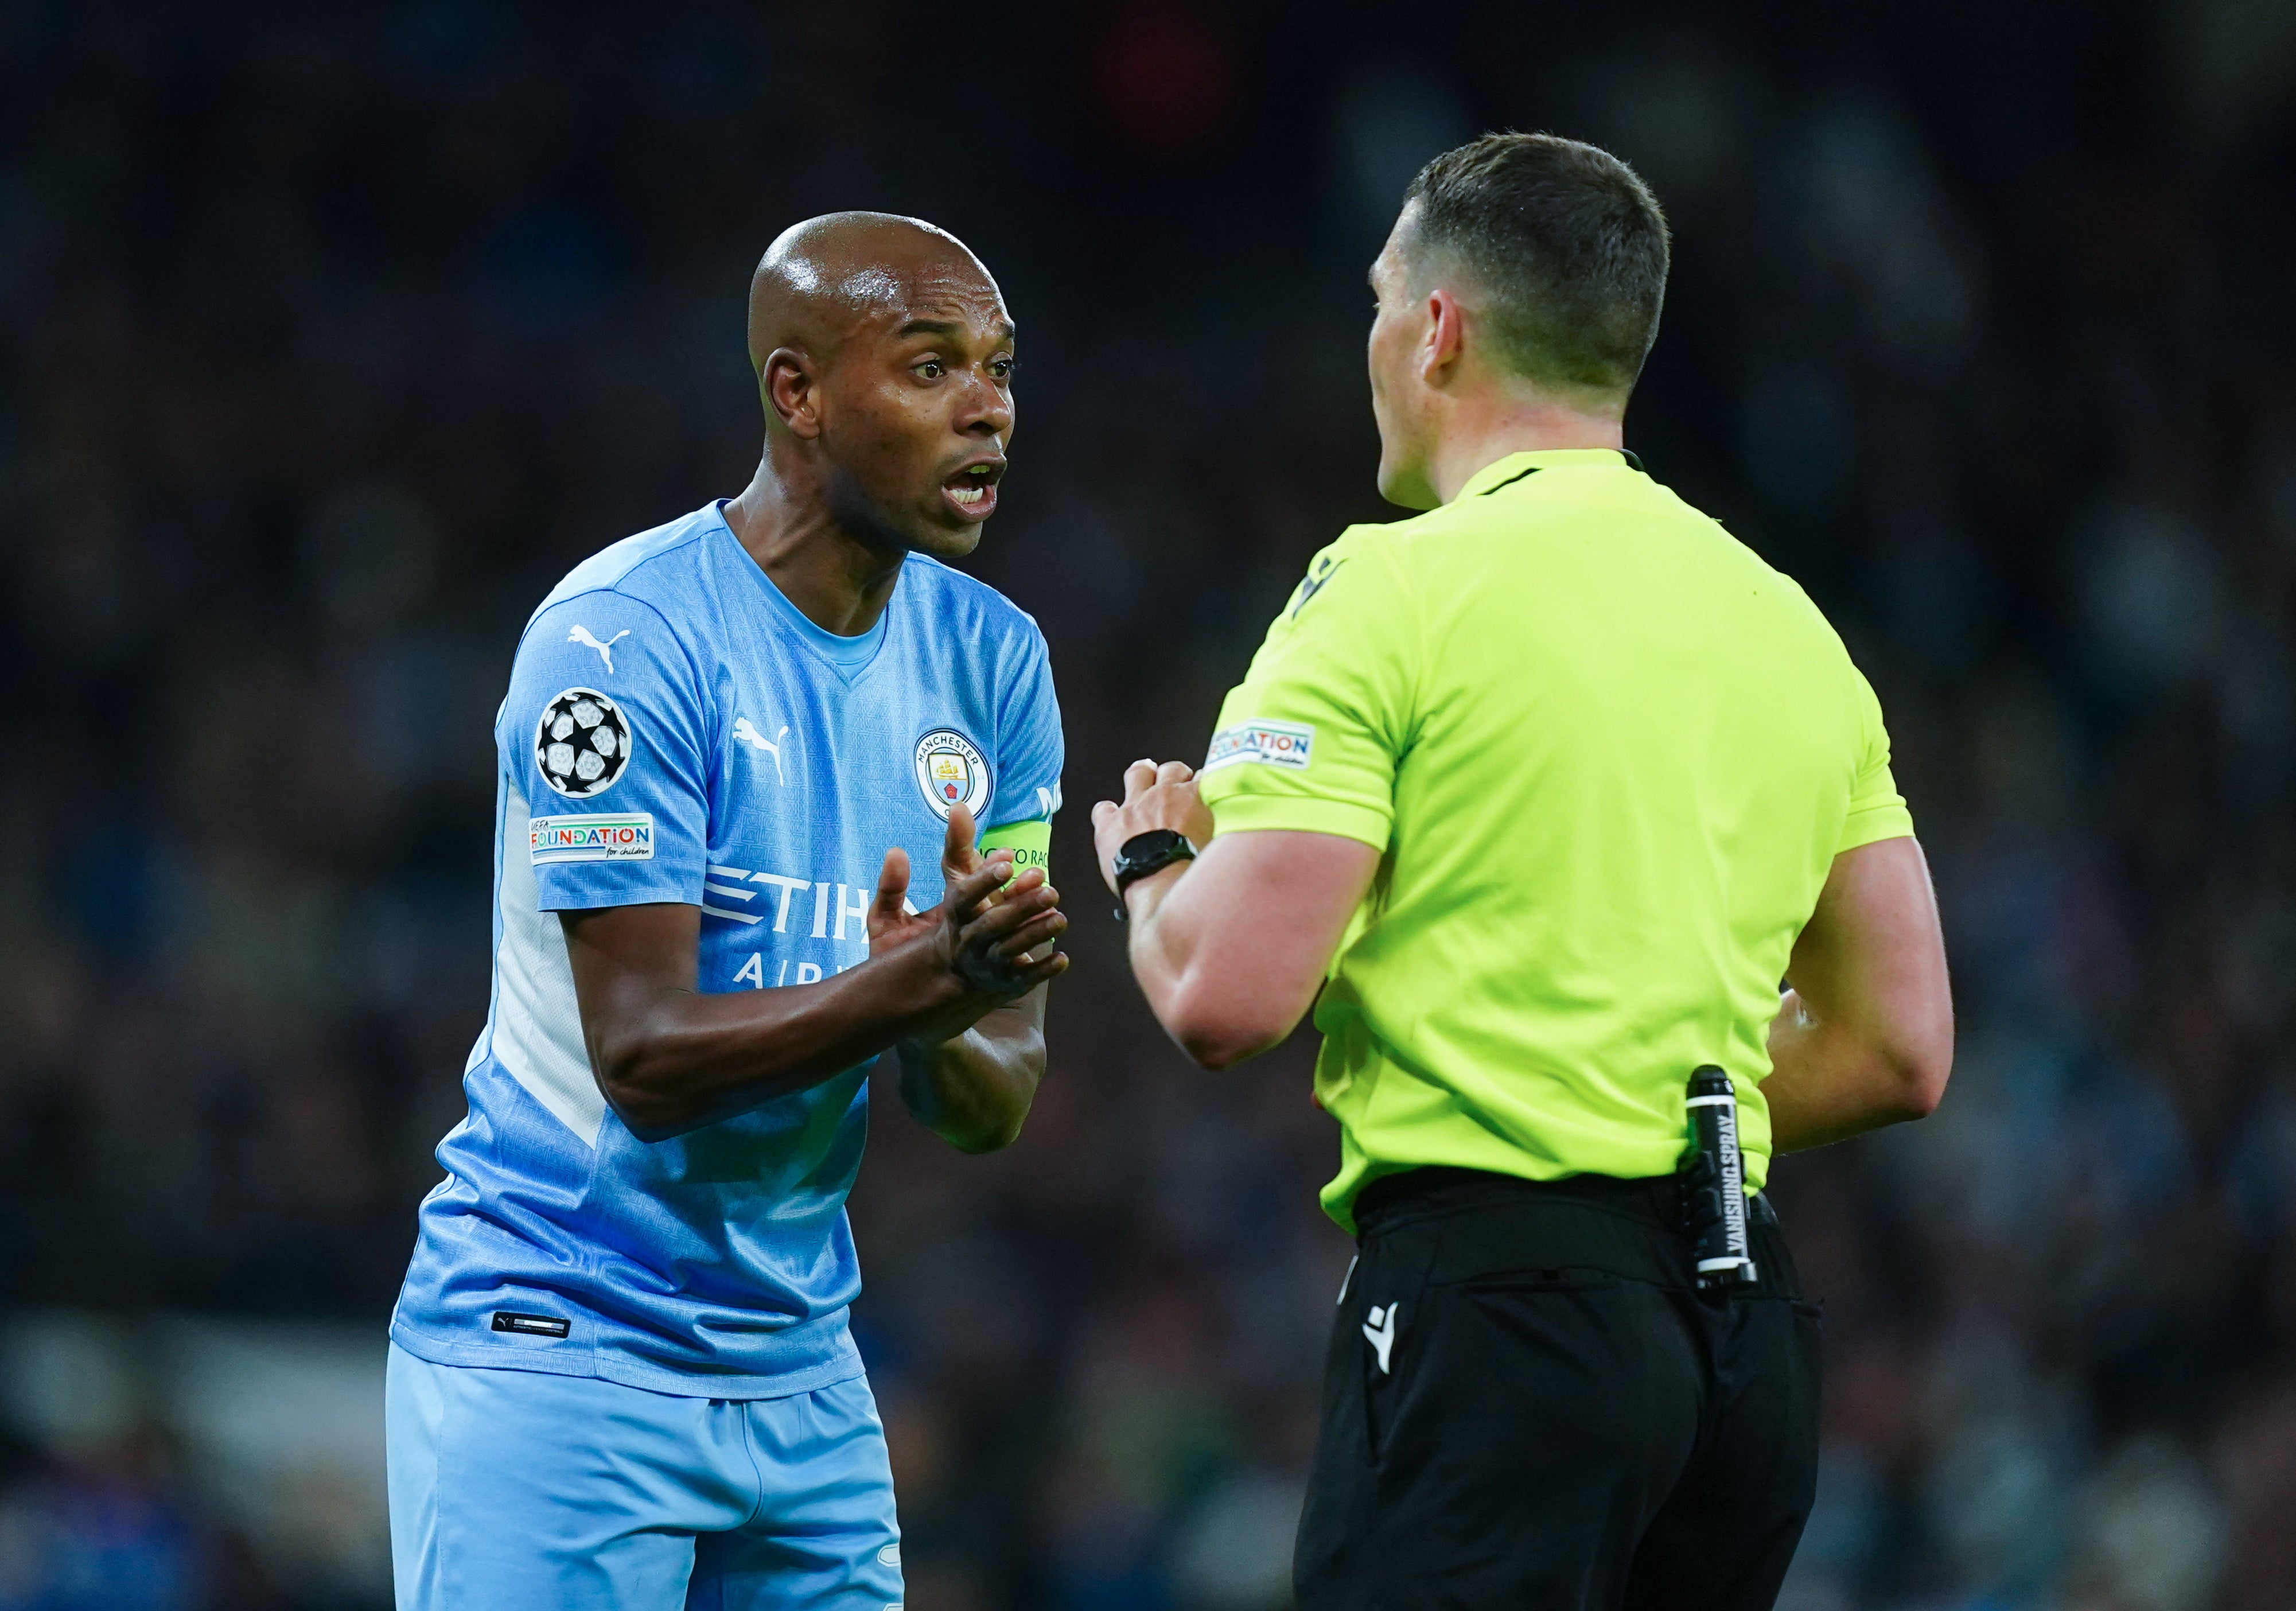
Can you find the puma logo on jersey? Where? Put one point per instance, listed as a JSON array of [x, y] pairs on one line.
[[581, 635], [743, 733], [1379, 1331]]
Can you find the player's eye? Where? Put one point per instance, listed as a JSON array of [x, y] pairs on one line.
[[931, 369], [1004, 369]]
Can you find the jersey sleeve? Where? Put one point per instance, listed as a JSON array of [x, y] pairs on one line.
[[1877, 811], [1312, 736], [605, 736], [1030, 755]]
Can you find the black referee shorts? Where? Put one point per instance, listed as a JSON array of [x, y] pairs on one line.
[[1529, 1406]]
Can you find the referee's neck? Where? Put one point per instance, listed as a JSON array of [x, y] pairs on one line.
[[1477, 435]]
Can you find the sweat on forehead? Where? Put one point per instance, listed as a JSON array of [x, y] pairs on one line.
[[820, 276]]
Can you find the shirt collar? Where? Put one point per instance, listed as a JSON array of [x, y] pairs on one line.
[[850, 655], [1514, 466]]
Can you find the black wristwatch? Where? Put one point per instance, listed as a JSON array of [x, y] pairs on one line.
[[1145, 853]]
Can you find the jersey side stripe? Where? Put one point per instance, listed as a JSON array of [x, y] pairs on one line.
[[537, 1030]]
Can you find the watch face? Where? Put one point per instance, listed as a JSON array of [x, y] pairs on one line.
[[1145, 853]]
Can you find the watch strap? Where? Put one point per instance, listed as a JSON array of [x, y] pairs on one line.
[[1145, 853]]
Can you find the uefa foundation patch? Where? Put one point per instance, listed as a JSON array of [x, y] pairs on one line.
[[1262, 744], [628, 837]]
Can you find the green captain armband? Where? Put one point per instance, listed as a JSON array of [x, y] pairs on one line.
[[1030, 843]]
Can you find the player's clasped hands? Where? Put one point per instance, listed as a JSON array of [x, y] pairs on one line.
[[996, 938]]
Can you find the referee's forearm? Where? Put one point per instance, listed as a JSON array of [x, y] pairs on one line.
[[1829, 1081], [1209, 1002], [1231, 948], [1160, 949]]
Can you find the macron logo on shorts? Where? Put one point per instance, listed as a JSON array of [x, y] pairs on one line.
[[1262, 744], [1379, 1331]]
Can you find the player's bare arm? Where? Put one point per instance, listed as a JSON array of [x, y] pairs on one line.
[[1864, 1037], [1230, 948], [670, 1058], [972, 1087]]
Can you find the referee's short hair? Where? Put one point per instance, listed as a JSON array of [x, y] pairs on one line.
[[1567, 244]]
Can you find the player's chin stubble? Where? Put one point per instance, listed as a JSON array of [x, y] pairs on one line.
[[943, 542], [888, 519]]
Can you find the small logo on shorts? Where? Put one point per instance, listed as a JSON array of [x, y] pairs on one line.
[[532, 1325], [1379, 1331]]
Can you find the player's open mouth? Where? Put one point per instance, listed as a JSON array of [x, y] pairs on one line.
[[973, 490]]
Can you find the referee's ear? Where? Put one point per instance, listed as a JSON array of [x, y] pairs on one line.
[[1446, 342]]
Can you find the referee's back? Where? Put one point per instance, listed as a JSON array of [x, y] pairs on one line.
[[1610, 755]]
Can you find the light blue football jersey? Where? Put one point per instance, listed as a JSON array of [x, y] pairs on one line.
[[677, 731]]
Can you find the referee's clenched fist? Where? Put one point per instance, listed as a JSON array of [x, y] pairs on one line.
[[1536, 797]]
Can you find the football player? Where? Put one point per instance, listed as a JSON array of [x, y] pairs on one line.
[[741, 763]]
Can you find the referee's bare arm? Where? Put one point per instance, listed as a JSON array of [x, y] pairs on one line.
[[1864, 1037], [1231, 948]]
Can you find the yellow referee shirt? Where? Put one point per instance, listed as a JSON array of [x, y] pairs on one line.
[[1609, 755]]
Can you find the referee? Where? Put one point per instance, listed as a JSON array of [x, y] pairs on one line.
[[1537, 797]]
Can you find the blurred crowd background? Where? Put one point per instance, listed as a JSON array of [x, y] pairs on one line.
[[330, 337]]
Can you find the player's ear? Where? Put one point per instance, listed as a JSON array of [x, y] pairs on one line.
[[791, 390]]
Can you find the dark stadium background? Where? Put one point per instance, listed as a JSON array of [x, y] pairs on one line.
[[330, 337]]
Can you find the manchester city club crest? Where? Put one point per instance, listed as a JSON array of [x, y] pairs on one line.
[[952, 773]]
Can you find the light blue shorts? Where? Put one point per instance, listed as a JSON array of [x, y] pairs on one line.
[[520, 1488]]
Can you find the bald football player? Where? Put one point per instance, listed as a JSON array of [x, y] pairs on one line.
[[620, 1372]]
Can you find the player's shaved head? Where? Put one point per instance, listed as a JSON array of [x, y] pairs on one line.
[[823, 280], [884, 360]]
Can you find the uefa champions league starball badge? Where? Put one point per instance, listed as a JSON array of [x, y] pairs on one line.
[[952, 773], [582, 743]]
